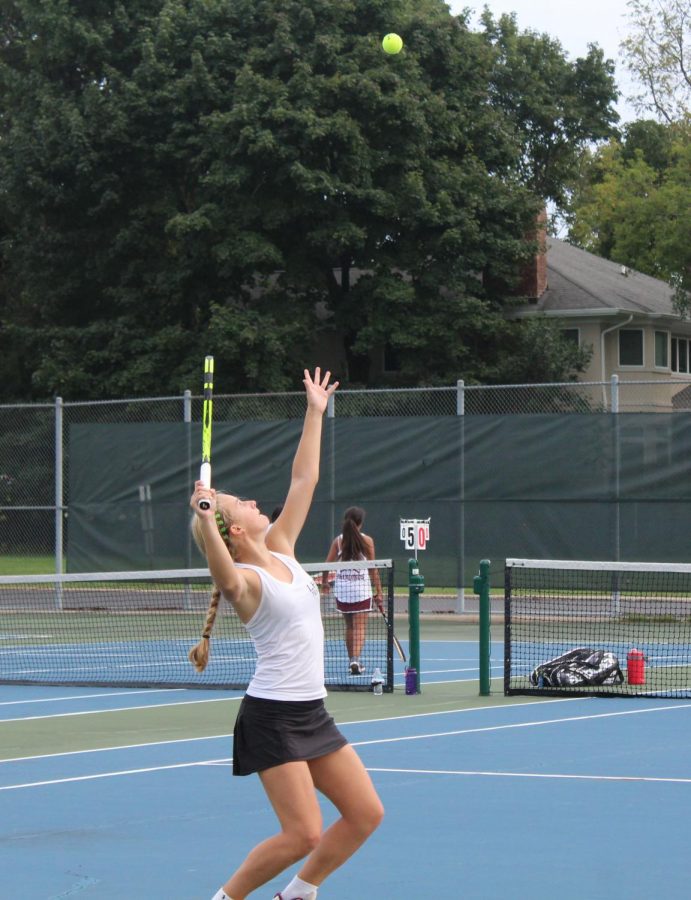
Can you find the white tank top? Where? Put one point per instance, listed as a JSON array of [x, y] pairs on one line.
[[352, 585], [288, 635]]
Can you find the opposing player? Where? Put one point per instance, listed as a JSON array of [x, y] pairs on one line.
[[355, 588], [283, 731]]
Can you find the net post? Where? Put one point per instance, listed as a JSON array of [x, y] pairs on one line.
[[390, 609], [481, 588], [416, 585]]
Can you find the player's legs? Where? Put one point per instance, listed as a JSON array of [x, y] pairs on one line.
[[348, 622], [358, 626], [342, 778], [290, 789]]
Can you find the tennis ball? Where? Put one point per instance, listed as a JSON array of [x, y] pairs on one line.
[[392, 43]]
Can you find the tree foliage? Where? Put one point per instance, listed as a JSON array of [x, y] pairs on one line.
[[632, 204], [186, 176], [658, 55]]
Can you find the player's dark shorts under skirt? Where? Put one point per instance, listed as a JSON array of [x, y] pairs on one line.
[[271, 732], [357, 606]]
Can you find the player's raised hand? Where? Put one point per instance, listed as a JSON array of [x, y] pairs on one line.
[[318, 389], [202, 492]]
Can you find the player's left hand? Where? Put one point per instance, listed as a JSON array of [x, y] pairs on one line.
[[318, 389]]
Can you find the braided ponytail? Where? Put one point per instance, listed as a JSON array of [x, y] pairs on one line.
[[199, 654]]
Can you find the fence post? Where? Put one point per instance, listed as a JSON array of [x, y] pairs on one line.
[[331, 426], [187, 419], [59, 499], [460, 412], [614, 393]]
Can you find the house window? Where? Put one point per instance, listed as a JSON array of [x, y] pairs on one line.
[[631, 347], [572, 335], [681, 355], [661, 354]]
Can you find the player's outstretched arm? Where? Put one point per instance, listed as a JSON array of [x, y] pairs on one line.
[[305, 471]]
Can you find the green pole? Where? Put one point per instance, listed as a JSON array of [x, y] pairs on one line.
[[416, 585], [481, 587]]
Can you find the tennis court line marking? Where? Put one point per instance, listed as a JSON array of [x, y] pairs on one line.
[[418, 737], [213, 737], [187, 765], [100, 712], [94, 696], [208, 737], [441, 712], [379, 741], [532, 775]]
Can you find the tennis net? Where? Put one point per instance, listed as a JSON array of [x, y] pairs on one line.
[[135, 629], [634, 618]]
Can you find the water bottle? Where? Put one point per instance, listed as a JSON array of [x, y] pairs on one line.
[[410, 681], [377, 683]]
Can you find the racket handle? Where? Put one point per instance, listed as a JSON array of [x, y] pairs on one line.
[[205, 477]]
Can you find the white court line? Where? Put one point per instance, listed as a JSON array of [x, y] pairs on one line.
[[14, 787], [98, 712], [418, 737], [531, 775], [208, 737], [353, 743], [211, 737], [95, 696], [443, 671]]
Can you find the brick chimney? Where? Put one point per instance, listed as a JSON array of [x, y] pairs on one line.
[[533, 282]]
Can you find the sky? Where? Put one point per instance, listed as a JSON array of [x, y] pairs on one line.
[[575, 24]]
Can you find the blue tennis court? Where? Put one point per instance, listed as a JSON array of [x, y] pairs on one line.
[[532, 799]]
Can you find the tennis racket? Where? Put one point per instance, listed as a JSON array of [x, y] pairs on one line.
[[207, 413], [396, 642]]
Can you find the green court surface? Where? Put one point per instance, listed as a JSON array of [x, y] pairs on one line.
[[212, 713]]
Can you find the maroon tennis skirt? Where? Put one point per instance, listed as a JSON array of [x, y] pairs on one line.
[[272, 732], [356, 606]]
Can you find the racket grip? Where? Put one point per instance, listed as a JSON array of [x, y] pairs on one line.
[[205, 478]]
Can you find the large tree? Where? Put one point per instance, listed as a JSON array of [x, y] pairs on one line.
[[657, 52], [632, 203], [194, 175]]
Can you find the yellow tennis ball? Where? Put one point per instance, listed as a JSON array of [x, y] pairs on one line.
[[392, 43]]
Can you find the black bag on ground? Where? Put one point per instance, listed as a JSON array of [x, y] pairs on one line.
[[579, 667]]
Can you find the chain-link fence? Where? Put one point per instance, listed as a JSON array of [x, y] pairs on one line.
[[36, 470]]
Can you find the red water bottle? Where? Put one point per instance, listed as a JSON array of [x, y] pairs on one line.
[[635, 667]]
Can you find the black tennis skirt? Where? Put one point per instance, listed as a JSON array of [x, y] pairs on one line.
[[271, 732]]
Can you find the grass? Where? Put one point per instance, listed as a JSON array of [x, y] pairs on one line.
[[27, 565]]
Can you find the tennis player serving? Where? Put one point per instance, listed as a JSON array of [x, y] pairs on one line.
[[283, 731]]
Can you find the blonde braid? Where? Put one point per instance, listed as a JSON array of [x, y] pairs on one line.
[[199, 654]]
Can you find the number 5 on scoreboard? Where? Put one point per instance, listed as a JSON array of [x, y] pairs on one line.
[[207, 415], [408, 535]]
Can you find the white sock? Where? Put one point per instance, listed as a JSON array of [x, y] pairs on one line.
[[300, 890], [221, 895]]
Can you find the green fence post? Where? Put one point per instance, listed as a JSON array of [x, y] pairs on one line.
[[416, 585], [481, 587]]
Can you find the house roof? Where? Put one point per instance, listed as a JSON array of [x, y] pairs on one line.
[[580, 282]]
